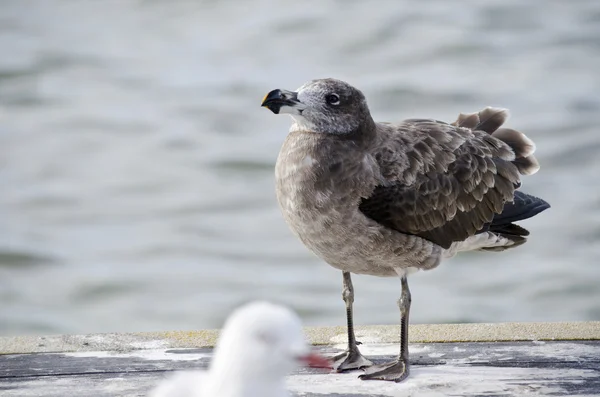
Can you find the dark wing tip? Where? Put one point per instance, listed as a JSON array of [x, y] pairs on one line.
[[523, 206]]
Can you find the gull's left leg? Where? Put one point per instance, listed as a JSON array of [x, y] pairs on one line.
[[398, 369]]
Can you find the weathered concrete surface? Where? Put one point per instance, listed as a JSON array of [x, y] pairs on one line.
[[439, 369], [420, 333], [131, 364]]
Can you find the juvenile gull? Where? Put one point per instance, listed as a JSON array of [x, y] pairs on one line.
[[260, 344], [388, 199]]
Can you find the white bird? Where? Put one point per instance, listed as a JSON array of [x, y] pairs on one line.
[[259, 345]]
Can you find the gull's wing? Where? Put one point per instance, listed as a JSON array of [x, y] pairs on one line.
[[445, 182]]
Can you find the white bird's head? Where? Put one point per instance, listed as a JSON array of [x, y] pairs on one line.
[[259, 345], [261, 339]]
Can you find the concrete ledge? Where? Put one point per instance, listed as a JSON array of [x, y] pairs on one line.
[[534, 359], [420, 333]]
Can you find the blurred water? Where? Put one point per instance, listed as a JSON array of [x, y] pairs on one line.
[[136, 167]]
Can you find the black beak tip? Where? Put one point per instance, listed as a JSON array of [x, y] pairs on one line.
[[272, 107], [273, 101]]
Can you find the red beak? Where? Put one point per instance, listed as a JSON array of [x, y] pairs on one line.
[[315, 360]]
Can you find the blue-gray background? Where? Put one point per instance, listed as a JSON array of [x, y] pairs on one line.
[[136, 166]]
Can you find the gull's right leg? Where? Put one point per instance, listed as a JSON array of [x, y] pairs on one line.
[[351, 358]]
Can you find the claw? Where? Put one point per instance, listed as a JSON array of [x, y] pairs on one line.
[[351, 359], [395, 371]]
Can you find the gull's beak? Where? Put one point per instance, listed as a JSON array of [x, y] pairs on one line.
[[315, 360], [282, 101]]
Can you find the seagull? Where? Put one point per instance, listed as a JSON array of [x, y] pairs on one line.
[[260, 344], [388, 199]]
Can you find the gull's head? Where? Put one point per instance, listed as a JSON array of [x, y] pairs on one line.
[[324, 106], [264, 339]]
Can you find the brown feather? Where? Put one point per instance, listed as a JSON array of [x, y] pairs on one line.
[[490, 119], [445, 182], [467, 120]]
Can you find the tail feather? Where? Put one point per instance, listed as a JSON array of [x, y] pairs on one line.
[[523, 206], [469, 120], [490, 120], [521, 145], [510, 229], [527, 165], [515, 240]]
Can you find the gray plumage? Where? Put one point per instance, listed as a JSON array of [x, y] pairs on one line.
[[384, 199], [401, 193]]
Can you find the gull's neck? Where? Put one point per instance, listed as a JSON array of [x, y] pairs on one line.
[[365, 132]]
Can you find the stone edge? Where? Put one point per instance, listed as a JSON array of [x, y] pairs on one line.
[[419, 333]]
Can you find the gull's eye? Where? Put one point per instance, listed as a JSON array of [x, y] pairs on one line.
[[332, 99]]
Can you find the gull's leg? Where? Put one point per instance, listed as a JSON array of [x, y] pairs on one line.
[[397, 370], [351, 358]]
